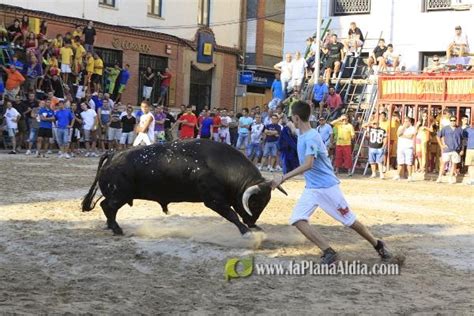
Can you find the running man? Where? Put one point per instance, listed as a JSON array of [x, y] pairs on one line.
[[146, 126], [322, 189]]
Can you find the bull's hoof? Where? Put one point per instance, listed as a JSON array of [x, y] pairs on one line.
[[256, 228], [117, 231], [247, 235]]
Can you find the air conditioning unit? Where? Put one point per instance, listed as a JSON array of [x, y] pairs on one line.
[[459, 5]]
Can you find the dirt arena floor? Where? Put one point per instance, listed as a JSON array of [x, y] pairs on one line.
[[54, 259]]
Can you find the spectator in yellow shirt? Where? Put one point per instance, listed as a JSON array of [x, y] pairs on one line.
[[79, 53], [77, 32], [98, 72], [89, 68], [57, 44], [343, 134], [66, 53]]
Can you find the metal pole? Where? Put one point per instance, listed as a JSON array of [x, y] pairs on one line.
[[318, 41]]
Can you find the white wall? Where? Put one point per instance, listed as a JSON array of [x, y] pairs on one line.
[[134, 13], [402, 22]]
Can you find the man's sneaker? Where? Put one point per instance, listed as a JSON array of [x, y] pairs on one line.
[[452, 180], [410, 179], [278, 168], [382, 250], [87, 154], [396, 178], [67, 156], [382, 176], [373, 175], [259, 167], [438, 180], [12, 152], [37, 155], [93, 154], [60, 153], [49, 152], [349, 174], [28, 152], [329, 257], [270, 169]]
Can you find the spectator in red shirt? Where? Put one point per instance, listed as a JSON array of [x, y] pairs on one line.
[[165, 85], [188, 122], [333, 100], [216, 123]]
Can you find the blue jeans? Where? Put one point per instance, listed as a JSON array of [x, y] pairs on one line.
[[242, 139], [376, 155], [254, 150], [33, 135], [270, 149], [63, 136]]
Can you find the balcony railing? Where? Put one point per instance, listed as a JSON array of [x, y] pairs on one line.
[[348, 7], [437, 5]]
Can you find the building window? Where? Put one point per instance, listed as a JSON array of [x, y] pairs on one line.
[[154, 7], [109, 3], [348, 7], [200, 88], [204, 12], [437, 5], [110, 57], [157, 64], [427, 58]]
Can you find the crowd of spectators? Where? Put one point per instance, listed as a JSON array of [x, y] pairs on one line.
[[65, 64]]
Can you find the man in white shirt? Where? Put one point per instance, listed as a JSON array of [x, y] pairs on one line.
[[12, 117], [254, 149], [146, 127], [89, 125], [298, 71], [224, 134], [390, 59], [459, 46], [406, 137], [285, 68]]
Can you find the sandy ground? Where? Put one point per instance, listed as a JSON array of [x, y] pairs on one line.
[[56, 259]]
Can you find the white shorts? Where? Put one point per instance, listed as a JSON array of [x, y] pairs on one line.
[[147, 92], [297, 82], [81, 93], [224, 135], [405, 156], [65, 68], [452, 156], [12, 132], [114, 134], [142, 137], [330, 200]]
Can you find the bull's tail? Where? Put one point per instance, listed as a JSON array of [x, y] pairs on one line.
[[87, 202]]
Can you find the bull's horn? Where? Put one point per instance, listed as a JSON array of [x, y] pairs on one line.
[[282, 190], [246, 196]]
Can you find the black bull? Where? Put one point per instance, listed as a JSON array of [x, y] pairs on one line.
[[191, 171]]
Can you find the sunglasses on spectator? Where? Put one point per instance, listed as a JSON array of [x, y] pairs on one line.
[[435, 60], [452, 120]]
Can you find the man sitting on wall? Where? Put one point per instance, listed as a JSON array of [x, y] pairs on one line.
[[459, 46]]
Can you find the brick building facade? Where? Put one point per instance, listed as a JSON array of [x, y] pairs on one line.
[[140, 48]]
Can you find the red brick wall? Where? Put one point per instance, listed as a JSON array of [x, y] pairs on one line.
[[229, 76]]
